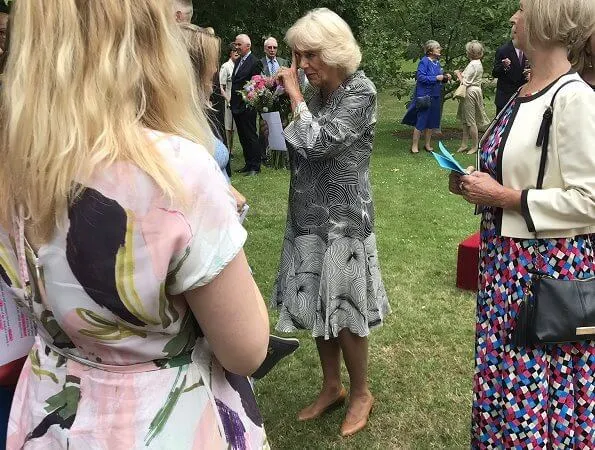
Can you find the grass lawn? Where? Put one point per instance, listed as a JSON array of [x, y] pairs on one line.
[[421, 360]]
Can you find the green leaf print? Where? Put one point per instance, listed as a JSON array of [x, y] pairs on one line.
[[185, 339], [171, 276], [125, 275], [167, 312], [6, 262], [65, 401], [59, 337], [36, 367], [158, 423], [106, 330]]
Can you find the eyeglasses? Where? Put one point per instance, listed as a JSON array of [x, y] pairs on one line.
[[271, 47]]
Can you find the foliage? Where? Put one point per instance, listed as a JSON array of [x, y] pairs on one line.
[[391, 32]]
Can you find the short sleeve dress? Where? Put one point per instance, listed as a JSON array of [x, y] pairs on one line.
[[329, 275], [119, 361]]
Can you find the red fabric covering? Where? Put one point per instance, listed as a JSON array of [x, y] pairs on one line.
[[467, 263], [9, 373]]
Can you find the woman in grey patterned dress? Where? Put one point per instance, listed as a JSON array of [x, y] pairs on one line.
[[329, 280]]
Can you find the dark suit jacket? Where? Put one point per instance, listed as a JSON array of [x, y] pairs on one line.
[[266, 70], [508, 80], [240, 77]]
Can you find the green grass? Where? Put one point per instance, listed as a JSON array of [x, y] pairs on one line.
[[421, 360]]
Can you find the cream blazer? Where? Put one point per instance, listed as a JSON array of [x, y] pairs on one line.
[[565, 206]]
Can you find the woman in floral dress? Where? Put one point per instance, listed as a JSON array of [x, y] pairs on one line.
[[535, 396], [131, 237]]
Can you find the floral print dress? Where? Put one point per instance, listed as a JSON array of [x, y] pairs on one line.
[[119, 361]]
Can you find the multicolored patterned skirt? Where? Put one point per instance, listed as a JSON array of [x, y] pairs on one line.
[[529, 397]]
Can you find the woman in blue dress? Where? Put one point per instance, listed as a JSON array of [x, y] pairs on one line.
[[429, 80]]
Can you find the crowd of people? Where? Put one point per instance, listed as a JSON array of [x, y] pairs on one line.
[[121, 234]]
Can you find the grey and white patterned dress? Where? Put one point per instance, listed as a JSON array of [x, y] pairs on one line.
[[329, 277]]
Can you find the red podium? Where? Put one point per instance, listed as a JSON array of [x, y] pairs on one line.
[[9, 373], [468, 262]]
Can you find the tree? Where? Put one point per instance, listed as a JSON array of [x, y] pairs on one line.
[[397, 29]]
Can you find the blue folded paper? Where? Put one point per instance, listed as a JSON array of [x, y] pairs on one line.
[[447, 161]]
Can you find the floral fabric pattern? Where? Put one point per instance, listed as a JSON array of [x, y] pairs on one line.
[[120, 361]]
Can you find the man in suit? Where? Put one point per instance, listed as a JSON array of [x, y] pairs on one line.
[[245, 68], [270, 65], [509, 68], [270, 62]]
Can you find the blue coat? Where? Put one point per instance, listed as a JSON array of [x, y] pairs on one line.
[[426, 83]]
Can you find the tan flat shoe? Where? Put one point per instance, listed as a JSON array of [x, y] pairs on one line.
[[310, 413], [462, 149], [472, 151], [352, 426]]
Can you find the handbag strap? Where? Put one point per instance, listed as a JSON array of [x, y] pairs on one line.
[[543, 137]]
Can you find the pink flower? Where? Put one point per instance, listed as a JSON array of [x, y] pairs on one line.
[[250, 95], [257, 78]]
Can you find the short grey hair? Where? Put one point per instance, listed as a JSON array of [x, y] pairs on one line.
[[185, 7], [430, 45], [270, 40], [474, 49], [324, 32]]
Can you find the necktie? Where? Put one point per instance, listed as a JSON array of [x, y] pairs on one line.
[[521, 55], [273, 69], [239, 65]]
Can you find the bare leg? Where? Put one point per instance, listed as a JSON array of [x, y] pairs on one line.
[[474, 138], [332, 391], [428, 140], [463, 145], [415, 141], [355, 354]]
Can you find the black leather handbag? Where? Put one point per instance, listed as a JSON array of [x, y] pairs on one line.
[[554, 311], [423, 103]]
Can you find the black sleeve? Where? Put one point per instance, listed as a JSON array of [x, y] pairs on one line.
[[498, 70]]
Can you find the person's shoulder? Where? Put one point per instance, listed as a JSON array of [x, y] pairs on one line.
[[360, 84], [573, 94], [183, 155]]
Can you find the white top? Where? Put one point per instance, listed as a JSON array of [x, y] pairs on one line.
[[225, 74], [565, 206], [473, 73]]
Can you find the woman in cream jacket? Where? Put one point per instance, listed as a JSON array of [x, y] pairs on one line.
[[535, 396]]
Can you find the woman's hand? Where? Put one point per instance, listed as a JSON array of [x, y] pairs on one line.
[[454, 181], [240, 199], [480, 188], [439, 77], [288, 77]]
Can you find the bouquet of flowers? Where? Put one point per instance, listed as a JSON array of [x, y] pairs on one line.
[[265, 95], [268, 97]]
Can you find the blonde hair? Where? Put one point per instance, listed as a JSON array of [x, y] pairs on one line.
[[474, 49], [324, 32], [430, 45], [562, 22], [579, 52], [84, 79], [204, 48]]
